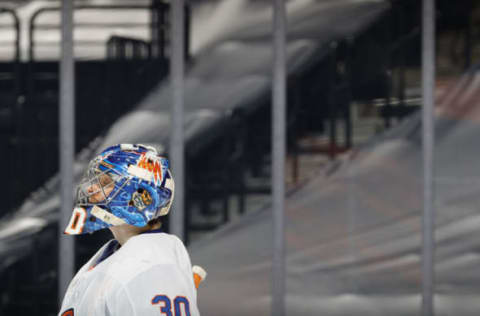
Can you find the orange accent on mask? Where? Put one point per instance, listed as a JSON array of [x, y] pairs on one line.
[[152, 166]]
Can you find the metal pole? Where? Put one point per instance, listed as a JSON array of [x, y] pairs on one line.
[[66, 253], [177, 58], [428, 220], [279, 96]]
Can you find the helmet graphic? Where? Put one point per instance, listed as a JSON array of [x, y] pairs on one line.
[[125, 184]]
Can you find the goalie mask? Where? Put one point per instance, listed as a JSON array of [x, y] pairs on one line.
[[125, 184]]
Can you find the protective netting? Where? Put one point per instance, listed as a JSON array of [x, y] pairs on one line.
[[354, 232]]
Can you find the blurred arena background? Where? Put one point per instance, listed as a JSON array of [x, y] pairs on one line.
[[354, 161]]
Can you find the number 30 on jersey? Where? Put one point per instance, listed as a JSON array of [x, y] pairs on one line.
[[181, 306]]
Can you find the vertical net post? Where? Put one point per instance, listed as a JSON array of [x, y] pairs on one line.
[[279, 96], [177, 60], [66, 251], [428, 219]]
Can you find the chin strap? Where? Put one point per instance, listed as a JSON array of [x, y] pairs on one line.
[[106, 216]]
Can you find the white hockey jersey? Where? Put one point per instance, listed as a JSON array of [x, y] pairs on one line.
[[150, 274]]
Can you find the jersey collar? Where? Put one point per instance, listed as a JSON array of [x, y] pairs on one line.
[[153, 231]]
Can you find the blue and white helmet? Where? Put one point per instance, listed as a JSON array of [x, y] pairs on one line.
[[125, 184]]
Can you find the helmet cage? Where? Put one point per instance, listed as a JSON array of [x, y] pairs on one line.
[[98, 186]]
